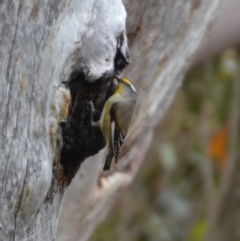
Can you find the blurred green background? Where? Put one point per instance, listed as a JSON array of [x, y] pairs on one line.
[[188, 188]]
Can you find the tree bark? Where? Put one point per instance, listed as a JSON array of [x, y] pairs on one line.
[[42, 44], [225, 32], [163, 37], [84, 44]]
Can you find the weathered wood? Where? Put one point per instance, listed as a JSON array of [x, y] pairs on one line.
[[42, 43], [163, 37]]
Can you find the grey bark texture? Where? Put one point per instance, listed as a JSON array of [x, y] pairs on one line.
[[163, 37], [225, 32], [41, 45]]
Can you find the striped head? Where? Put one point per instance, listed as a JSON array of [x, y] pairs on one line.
[[126, 87]]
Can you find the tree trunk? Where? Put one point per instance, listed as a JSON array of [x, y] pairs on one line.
[[163, 37], [45, 125]]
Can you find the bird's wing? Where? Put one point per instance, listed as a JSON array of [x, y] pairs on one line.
[[117, 136]]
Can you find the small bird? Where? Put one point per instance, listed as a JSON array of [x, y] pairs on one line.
[[116, 116]]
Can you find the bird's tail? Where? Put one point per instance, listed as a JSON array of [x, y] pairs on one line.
[[108, 161]]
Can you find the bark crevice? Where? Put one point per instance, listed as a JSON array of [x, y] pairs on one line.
[[80, 138]]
